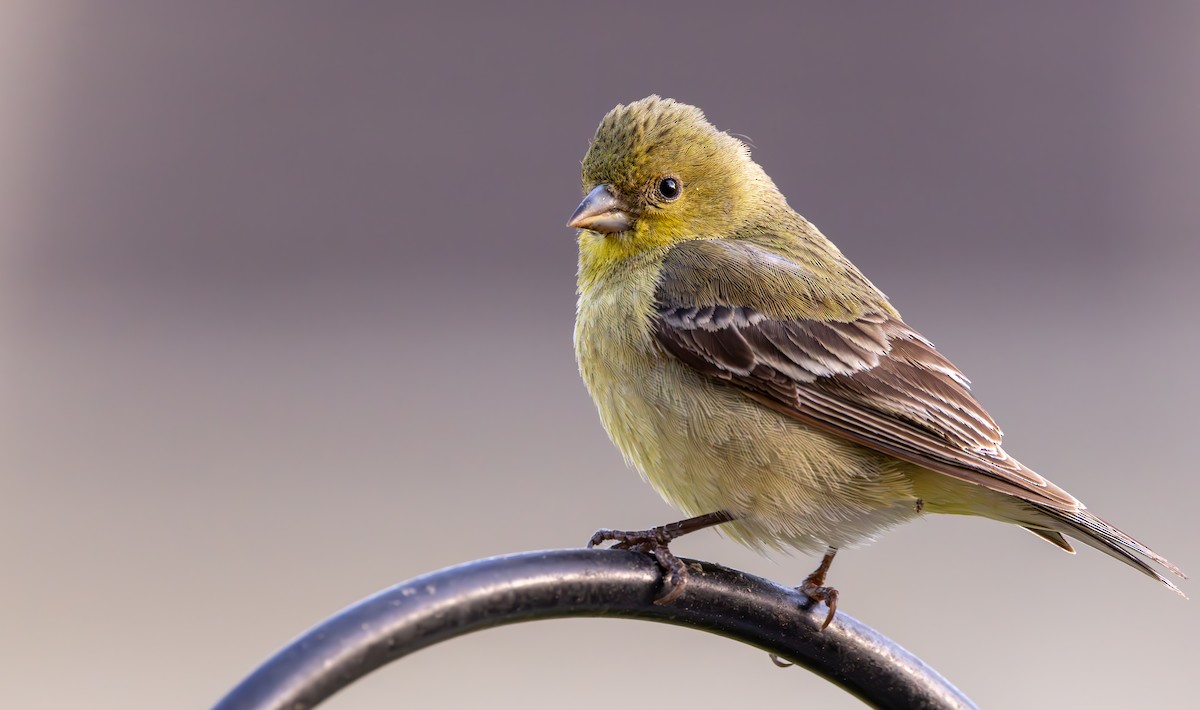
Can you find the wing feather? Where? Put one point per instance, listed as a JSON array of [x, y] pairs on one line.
[[870, 378]]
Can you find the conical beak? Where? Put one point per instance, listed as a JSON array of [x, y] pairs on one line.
[[601, 212]]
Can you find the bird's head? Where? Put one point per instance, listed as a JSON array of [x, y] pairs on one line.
[[657, 172]]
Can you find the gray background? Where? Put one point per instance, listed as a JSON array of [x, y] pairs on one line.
[[286, 303]]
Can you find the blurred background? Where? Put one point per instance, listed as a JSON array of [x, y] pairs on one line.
[[286, 304]]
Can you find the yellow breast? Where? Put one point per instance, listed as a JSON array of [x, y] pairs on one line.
[[705, 446]]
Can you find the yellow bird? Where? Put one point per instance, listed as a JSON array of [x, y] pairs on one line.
[[758, 380]]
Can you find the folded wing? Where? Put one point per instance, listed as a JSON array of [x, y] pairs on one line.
[[869, 377]]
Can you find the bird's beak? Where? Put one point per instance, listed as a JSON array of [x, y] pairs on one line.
[[601, 212]]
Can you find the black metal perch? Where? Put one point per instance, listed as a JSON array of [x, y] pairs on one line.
[[588, 583]]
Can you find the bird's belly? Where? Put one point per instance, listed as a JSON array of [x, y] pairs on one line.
[[705, 446]]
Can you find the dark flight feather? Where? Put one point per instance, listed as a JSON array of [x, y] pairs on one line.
[[870, 378]]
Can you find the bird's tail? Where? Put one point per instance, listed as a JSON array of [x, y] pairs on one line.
[[1087, 528]]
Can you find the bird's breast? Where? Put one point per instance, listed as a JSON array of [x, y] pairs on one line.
[[705, 446], [614, 347]]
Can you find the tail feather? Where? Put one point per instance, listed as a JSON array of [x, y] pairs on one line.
[[1091, 530]]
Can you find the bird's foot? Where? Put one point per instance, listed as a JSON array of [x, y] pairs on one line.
[[815, 590], [655, 542], [814, 587]]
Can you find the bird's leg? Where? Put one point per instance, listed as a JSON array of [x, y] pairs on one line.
[[655, 541], [814, 586]]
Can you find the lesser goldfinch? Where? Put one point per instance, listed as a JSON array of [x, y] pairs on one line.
[[758, 380]]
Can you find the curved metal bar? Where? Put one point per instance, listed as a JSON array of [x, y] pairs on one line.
[[580, 583]]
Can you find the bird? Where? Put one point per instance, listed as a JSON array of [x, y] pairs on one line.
[[759, 381]]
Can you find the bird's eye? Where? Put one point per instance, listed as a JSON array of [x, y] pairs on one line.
[[669, 188]]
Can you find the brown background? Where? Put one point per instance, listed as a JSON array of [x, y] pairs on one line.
[[286, 304]]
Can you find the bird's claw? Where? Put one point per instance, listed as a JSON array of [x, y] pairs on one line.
[[675, 575], [813, 588], [652, 542], [815, 591]]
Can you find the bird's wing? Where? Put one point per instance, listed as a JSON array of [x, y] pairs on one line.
[[868, 377]]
